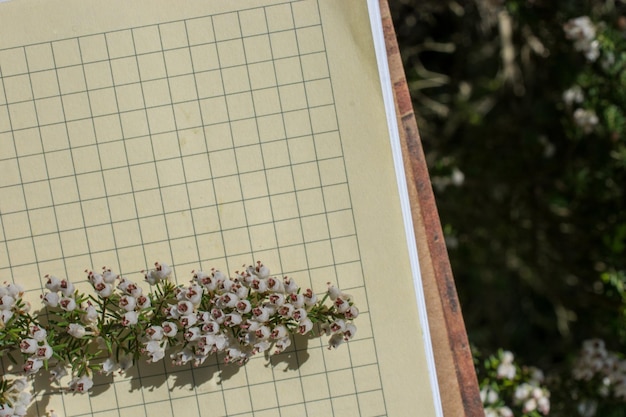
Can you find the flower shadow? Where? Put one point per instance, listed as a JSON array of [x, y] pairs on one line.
[[184, 380]]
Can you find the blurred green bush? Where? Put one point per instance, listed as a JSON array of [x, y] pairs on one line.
[[521, 111]]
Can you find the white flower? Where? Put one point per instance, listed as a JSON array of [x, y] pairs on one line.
[[260, 270], [184, 307], [193, 294], [259, 285], [299, 314], [130, 318], [310, 298], [244, 306], [457, 177], [19, 384], [543, 405], [155, 350], [333, 292], [275, 285], [94, 277], [67, 304], [155, 332], [586, 119], [182, 357], [282, 344], [296, 299], [228, 300], [349, 332], [143, 302], [488, 395], [5, 316], [159, 273], [82, 384], [128, 302], [76, 330], [277, 299], [90, 315], [38, 333], [6, 410], [14, 290], [582, 31], [66, 287], [207, 281], [505, 412], [536, 375], [6, 302], [305, 326], [263, 332], [211, 327], [108, 276], [573, 95], [261, 314], [335, 340], [32, 365], [104, 289], [530, 405], [188, 320], [290, 285], [109, 365], [342, 304], [192, 334], [352, 312], [50, 299], [522, 392], [169, 329], [506, 370], [233, 319], [28, 346]]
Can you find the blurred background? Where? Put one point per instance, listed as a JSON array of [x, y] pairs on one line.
[[521, 109]]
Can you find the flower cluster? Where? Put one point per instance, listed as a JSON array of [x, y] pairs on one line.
[[493, 404], [583, 32], [532, 397], [236, 317], [11, 305], [241, 316], [585, 119], [596, 363], [15, 397], [508, 389]]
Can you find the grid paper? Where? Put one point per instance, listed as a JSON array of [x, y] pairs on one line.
[[206, 142]]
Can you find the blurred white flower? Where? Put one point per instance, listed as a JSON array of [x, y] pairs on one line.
[[573, 95], [583, 32], [586, 119]]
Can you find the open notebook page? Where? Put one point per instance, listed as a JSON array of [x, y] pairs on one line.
[[214, 134]]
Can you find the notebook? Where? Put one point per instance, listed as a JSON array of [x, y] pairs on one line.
[[212, 135]]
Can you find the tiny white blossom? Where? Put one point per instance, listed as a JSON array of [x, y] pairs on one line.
[[50, 299], [76, 330], [130, 318], [82, 384], [582, 31], [573, 95], [586, 119]]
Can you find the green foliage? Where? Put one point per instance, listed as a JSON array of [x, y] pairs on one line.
[[538, 225]]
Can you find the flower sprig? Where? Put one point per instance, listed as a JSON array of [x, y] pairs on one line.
[[508, 390], [118, 325]]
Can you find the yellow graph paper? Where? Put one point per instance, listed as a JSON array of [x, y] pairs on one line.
[[211, 134]]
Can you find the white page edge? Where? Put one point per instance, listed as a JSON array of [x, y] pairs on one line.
[[392, 122]]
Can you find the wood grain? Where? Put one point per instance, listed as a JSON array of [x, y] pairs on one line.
[[455, 369]]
